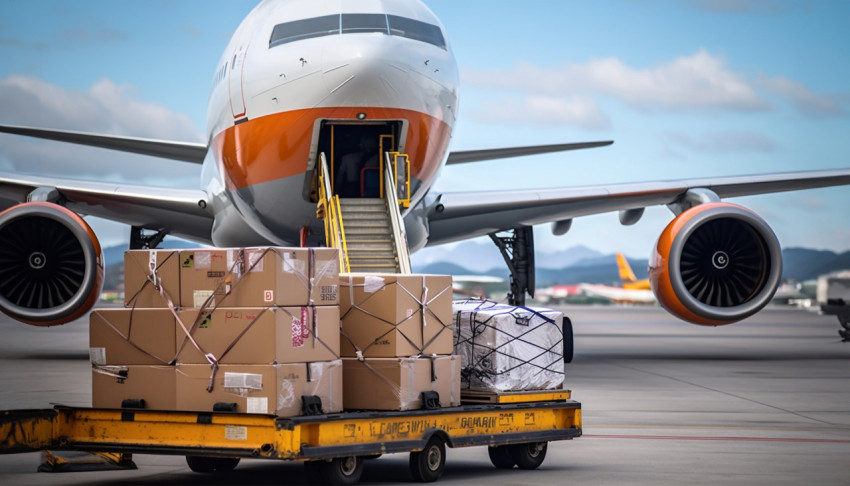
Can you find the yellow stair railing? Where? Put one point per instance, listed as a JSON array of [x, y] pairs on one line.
[[329, 210]]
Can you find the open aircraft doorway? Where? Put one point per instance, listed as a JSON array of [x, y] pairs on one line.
[[355, 152]]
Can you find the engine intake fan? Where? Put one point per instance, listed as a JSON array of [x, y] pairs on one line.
[[716, 264], [51, 264]]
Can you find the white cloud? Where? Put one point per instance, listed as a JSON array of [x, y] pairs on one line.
[[544, 110], [752, 7], [104, 108], [698, 81], [805, 100], [723, 142]]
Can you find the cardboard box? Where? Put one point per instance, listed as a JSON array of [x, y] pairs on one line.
[[111, 385], [140, 268], [389, 315], [259, 277], [398, 383], [508, 348], [266, 389], [253, 335], [132, 336]]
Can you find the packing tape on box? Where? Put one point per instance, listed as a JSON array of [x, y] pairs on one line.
[[242, 384], [120, 373]]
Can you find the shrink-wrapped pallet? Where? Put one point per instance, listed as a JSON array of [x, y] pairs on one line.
[[508, 348]]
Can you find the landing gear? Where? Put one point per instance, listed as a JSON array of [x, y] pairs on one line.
[[139, 240], [518, 251]]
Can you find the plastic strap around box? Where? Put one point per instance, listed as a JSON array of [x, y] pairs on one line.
[[152, 277], [128, 338], [422, 301]]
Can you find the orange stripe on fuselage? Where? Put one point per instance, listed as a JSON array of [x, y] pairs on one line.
[[277, 146]]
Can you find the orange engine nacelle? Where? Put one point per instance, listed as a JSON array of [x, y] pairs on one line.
[[715, 264], [51, 264]]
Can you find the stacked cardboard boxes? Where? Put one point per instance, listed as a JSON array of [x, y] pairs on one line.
[[251, 330], [397, 342], [508, 348]]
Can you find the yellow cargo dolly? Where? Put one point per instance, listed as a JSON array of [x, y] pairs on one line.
[[332, 446]]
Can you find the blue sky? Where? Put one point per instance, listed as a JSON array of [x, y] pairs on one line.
[[688, 88]]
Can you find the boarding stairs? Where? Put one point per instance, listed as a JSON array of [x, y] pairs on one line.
[[369, 232]]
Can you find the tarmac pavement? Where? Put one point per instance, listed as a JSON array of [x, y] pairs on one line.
[[764, 401]]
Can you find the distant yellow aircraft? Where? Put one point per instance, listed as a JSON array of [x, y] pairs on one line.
[[627, 276]]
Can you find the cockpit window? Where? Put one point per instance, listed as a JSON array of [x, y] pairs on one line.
[[414, 29], [358, 23], [355, 24], [304, 29]]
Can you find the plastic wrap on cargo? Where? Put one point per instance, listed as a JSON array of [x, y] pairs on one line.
[[508, 348]]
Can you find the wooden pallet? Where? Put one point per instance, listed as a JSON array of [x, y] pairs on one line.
[[525, 396]]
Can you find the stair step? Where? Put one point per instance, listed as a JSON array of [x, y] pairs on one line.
[[387, 268], [360, 215], [363, 247], [364, 222], [360, 201], [366, 230]]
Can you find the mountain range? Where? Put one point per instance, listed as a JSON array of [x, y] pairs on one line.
[[578, 264], [581, 264]]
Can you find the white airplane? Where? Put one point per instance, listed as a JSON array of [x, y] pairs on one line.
[[619, 294], [302, 78]]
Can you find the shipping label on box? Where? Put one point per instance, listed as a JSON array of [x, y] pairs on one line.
[[389, 315], [132, 336], [148, 271], [398, 383], [156, 385], [258, 277], [509, 348], [258, 335], [265, 389]]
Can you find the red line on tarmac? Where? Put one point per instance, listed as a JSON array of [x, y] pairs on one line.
[[741, 439]]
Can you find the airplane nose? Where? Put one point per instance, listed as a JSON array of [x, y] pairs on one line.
[[368, 67]]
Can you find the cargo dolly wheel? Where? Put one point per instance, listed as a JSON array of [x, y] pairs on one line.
[[339, 470], [210, 465], [529, 455], [427, 465], [501, 457]]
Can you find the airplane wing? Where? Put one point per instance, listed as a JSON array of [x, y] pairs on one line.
[[459, 215], [181, 212], [464, 156], [183, 151]]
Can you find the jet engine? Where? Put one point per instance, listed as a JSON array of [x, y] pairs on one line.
[[51, 264], [715, 264]]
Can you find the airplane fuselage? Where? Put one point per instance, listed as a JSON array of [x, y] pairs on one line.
[[303, 77]]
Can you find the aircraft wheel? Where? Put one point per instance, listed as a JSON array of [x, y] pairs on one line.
[[529, 455], [427, 465], [501, 457], [211, 465]]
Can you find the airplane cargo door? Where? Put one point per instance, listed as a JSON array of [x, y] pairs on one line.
[[237, 101]]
